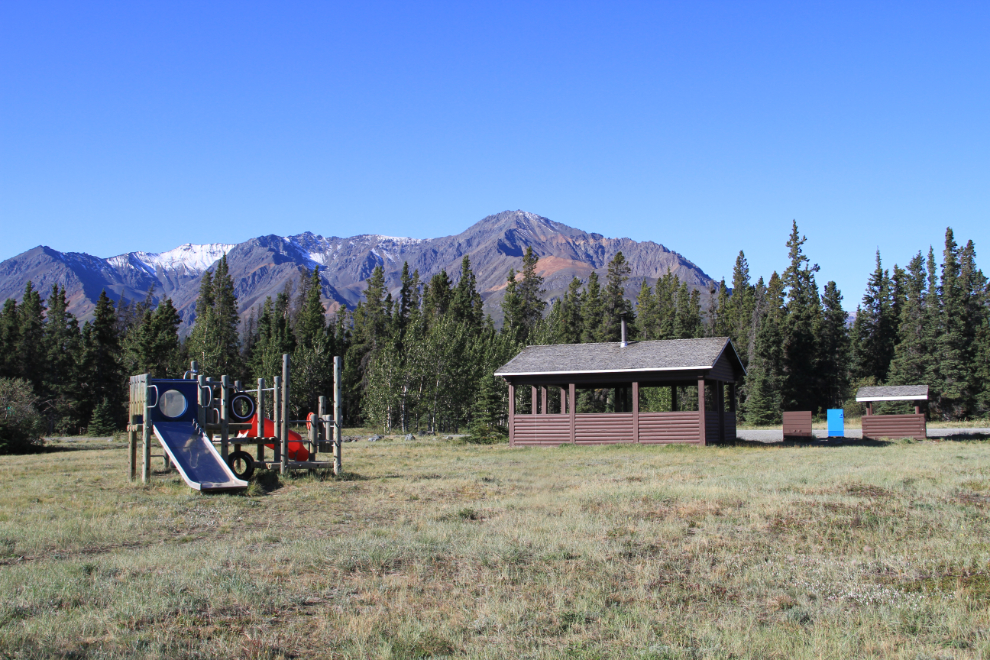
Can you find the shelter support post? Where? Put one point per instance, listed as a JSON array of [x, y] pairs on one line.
[[512, 414], [701, 409], [635, 410], [572, 404], [563, 402], [533, 411], [543, 402]]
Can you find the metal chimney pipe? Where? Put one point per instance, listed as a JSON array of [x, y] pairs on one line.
[[624, 333]]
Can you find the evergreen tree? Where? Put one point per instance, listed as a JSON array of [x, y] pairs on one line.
[[719, 315], [569, 322], [466, 304], [10, 340], [438, 296], [592, 310], [833, 349], [765, 382], [62, 344], [740, 307], [104, 420], [874, 330], [912, 360], [311, 323], [101, 369], [30, 350], [953, 396], [214, 340], [647, 313], [522, 305], [802, 314], [687, 317], [615, 306]]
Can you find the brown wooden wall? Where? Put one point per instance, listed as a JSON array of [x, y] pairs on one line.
[[542, 429], [655, 428], [614, 428], [711, 428], [603, 428], [895, 426]]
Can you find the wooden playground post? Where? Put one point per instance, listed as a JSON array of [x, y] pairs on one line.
[[224, 419], [260, 420], [132, 443], [277, 419], [146, 434], [337, 414], [201, 400], [321, 411], [285, 413]]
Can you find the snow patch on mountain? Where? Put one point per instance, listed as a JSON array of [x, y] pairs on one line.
[[189, 257]]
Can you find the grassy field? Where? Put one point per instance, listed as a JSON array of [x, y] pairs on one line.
[[431, 548]]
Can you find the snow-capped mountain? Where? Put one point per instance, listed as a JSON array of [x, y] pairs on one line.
[[264, 266]]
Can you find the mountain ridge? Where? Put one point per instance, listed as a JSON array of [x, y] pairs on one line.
[[266, 265]]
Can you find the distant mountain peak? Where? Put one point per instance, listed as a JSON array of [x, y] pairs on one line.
[[266, 265]]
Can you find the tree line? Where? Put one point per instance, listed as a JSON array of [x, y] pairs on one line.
[[423, 358]]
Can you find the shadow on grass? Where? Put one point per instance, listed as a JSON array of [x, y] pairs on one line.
[[830, 443]]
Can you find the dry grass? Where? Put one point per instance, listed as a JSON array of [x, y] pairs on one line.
[[432, 549]]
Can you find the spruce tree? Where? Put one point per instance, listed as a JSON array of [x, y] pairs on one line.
[[719, 314], [802, 314], [740, 307], [615, 306], [62, 344], [10, 340], [102, 369], [30, 350], [687, 316], [310, 325], [466, 303], [592, 310], [833, 350], [569, 322], [912, 359], [215, 341], [647, 313], [765, 382], [874, 330], [952, 348]]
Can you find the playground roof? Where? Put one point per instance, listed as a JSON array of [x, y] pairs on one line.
[[893, 393], [667, 355]]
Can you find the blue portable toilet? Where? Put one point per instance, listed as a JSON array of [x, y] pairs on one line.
[[836, 423]]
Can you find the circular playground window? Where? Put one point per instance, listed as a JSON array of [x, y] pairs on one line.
[[173, 403]]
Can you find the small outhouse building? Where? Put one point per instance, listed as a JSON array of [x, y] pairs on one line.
[[648, 392]]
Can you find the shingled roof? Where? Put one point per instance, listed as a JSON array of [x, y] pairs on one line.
[[893, 393], [663, 355]]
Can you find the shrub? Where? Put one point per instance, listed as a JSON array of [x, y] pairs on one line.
[[20, 424], [102, 422]]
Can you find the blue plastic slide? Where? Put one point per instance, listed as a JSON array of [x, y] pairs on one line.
[[173, 419]]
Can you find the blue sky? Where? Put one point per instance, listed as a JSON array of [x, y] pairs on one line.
[[705, 126]]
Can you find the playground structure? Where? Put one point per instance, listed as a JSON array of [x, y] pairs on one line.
[[194, 415]]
